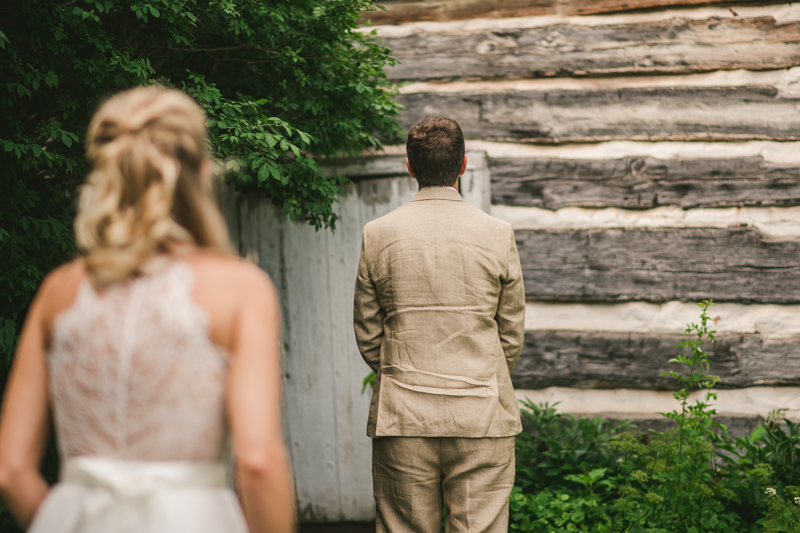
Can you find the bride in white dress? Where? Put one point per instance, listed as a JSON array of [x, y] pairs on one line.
[[150, 351]]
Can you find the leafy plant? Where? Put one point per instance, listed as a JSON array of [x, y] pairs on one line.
[[558, 511], [676, 480], [559, 447], [775, 442], [369, 381], [783, 502], [768, 460]]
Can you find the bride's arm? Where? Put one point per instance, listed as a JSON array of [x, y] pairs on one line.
[[25, 419], [254, 405]]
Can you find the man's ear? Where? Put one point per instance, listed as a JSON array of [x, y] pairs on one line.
[[408, 166], [463, 166]]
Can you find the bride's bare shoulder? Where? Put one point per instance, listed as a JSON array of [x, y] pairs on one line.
[[231, 275], [67, 275], [59, 289]]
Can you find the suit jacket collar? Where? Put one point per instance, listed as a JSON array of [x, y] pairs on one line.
[[438, 193]]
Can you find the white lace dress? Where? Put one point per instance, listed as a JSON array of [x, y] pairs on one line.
[[138, 393]]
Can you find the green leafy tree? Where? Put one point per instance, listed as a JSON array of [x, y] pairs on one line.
[[284, 83]]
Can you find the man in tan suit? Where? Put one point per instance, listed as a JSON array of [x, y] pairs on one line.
[[439, 316]]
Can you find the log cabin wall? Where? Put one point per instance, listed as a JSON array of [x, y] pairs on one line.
[[647, 153]]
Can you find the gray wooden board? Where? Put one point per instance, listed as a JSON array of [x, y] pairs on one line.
[[665, 46], [658, 265], [310, 369], [738, 426], [643, 182], [399, 11], [645, 114], [609, 360]]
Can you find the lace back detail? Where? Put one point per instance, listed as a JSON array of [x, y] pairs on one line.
[[134, 375]]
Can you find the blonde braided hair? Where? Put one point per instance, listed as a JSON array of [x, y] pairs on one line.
[[150, 183]]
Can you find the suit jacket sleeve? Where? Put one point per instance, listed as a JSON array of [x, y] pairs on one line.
[[511, 306], [367, 313]]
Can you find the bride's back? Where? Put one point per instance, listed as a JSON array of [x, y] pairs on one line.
[[133, 373]]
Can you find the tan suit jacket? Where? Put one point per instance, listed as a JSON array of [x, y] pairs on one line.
[[440, 317]]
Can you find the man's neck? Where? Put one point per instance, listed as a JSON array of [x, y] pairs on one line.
[[453, 187]]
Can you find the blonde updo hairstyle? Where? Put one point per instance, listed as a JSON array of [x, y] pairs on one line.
[[150, 185]]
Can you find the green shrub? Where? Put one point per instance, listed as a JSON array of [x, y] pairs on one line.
[[559, 511], [559, 445], [782, 514], [678, 480]]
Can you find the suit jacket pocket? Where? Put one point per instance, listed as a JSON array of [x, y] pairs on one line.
[[454, 407]]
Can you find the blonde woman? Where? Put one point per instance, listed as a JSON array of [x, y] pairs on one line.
[[146, 351]]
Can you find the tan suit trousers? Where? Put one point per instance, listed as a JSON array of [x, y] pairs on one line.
[[414, 476]]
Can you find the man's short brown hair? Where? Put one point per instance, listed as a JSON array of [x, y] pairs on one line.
[[435, 150]]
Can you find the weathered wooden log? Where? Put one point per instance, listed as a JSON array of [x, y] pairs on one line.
[[608, 360], [657, 265], [643, 183], [591, 7], [667, 46], [645, 114], [738, 426], [400, 11]]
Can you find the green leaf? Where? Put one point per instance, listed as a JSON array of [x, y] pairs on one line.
[[65, 138], [3, 40], [275, 172], [263, 173]]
